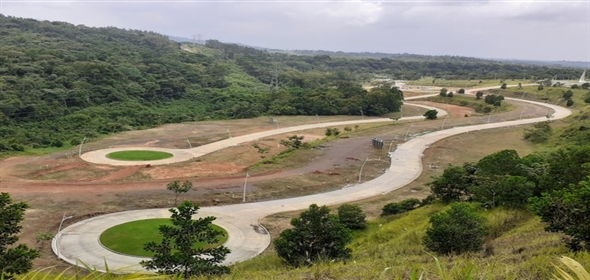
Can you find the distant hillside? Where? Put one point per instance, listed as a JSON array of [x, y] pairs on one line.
[[60, 82]]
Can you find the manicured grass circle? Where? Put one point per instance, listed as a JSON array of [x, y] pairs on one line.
[[139, 155], [129, 238]]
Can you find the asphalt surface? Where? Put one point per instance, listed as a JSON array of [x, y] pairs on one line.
[[79, 243]]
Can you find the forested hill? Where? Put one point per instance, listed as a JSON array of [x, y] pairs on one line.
[[60, 82]]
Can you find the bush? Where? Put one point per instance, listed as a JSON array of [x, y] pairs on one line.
[[352, 216], [461, 91], [431, 114], [332, 131], [400, 207], [457, 230], [315, 235], [540, 132], [569, 103], [540, 87]]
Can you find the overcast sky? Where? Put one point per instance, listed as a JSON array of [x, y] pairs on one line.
[[540, 30]]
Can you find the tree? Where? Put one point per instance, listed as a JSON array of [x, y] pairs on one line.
[[479, 94], [352, 216], [461, 91], [568, 94], [450, 94], [19, 259], [505, 162], [503, 86], [293, 142], [315, 235], [502, 190], [177, 188], [568, 211], [443, 92], [585, 85], [176, 253], [453, 185], [456, 230], [431, 114], [540, 87]]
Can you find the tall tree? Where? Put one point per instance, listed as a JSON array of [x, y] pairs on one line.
[[19, 259], [315, 235], [176, 254]]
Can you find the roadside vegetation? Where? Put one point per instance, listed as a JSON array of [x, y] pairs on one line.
[[511, 217]]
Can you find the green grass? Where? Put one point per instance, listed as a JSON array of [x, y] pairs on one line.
[[391, 248], [139, 155], [129, 238], [551, 95]]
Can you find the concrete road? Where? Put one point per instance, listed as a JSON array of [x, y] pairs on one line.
[[180, 155], [79, 243]]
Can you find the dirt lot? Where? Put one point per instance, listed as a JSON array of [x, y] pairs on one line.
[[62, 183]]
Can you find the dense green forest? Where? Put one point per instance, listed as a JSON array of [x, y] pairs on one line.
[[60, 82]]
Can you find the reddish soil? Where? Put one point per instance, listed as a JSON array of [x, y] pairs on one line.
[[61, 182]]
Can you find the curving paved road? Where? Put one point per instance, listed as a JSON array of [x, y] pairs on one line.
[[180, 155], [79, 242]]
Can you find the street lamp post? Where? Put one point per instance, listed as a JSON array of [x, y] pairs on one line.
[[63, 218], [189, 143], [407, 132], [80, 149], [361, 171], [245, 184]]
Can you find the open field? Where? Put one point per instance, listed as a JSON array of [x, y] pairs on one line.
[[221, 179], [553, 95]]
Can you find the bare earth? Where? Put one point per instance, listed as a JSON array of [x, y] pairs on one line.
[[61, 183]]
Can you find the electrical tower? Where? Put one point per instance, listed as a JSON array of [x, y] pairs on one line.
[[274, 80]]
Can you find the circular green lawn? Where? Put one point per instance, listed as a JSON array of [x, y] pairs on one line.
[[129, 238], [139, 155]]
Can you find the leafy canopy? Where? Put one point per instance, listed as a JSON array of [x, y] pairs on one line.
[[316, 235], [176, 253], [19, 259]]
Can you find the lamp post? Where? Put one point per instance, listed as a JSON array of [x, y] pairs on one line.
[[245, 184], [189, 143], [361, 171], [80, 149], [407, 132], [63, 218]]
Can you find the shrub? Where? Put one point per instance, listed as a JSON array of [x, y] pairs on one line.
[[431, 114], [315, 235], [400, 207], [352, 216], [457, 230]]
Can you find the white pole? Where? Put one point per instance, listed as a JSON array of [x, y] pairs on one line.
[[189, 143], [63, 218], [443, 123], [361, 171], [245, 184], [318, 117], [80, 149], [228, 132], [408, 131]]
